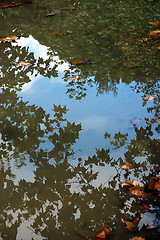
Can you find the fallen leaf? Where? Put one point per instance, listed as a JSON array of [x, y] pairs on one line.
[[105, 233], [156, 23], [131, 183], [139, 193], [155, 34], [50, 14], [68, 8], [127, 166], [22, 63], [138, 238], [149, 97], [130, 226], [80, 62], [5, 5], [75, 78], [158, 148], [136, 121], [9, 39]]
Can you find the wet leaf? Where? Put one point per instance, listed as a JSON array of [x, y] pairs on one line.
[[9, 39], [50, 14], [85, 61], [155, 34], [105, 233], [138, 238], [127, 166], [136, 121], [131, 183], [158, 148], [75, 78], [5, 5], [149, 97], [22, 63], [130, 226], [156, 23], [139, 193], [68, 8]]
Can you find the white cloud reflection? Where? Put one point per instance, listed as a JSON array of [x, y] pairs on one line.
[[41, 51]]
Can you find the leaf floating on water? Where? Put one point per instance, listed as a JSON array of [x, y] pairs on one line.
[[105, 233], [131, 183], [75, 78], [85, 61], [139, 193], [22, 63], [138, 238], [9, 39], [127, 166], [68, 8], [149, 97], [156, 23], [155, 34], [130, 226], [5, 5], [50, 14]]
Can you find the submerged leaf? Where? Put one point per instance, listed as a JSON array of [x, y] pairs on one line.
[[130, 226], [131, 183]]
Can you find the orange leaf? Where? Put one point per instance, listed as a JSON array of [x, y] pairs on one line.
[[149, 97], [49, 14], [139, 193], [101, 235], [22, 63], [155, 34], [156, 23], [138, 238], [132, 183], [130, 225], [9, 39], [127, 166]]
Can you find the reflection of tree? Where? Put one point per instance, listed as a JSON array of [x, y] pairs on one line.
[[63, 201]]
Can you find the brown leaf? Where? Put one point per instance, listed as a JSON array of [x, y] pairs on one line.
[[79, 62], [155, 34], [22, 63], [156, 23], [127, 166]]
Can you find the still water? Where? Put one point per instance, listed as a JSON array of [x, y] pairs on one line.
[[85, 102]]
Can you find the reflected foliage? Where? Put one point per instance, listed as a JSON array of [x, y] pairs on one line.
[[63, 200]]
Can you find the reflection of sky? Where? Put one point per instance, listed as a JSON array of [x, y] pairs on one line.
[[97, 114]]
